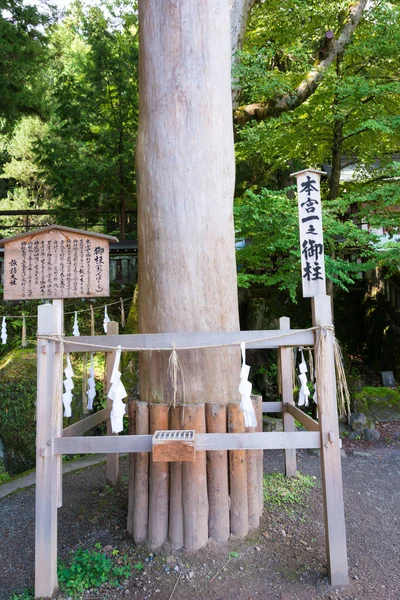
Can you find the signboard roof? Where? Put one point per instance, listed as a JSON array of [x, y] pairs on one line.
[[111, 238]]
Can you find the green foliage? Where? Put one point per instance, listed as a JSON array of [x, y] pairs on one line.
[[287, 492], [4, 476], [27, 594], [91, 569]]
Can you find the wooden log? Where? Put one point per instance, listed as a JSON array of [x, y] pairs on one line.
[[131, 468], [217, 477], [260, 455], [307, 422], [194, 485], [176, 536], [286, 369], [253, 476], [331, 468], [158, 484], [238, 476], [112, 464], [141, 482]]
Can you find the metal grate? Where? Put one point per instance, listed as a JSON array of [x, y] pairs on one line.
[[168, 436]]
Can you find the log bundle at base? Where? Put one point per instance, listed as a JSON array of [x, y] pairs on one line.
[[158, 484], [253, 475], [217, 477], [194, 485], [238, 476], [176, 531]]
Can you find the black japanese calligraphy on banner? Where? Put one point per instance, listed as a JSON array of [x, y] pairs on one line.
[[311, 233]]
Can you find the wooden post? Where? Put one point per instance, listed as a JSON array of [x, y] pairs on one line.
[[217, 477], [112, 465], [335, 532], [159, 483], [48, 466], [253, 474], [176, 536], [260, 455], [238, 476], [131, 468], [286, 380], [141, 482]]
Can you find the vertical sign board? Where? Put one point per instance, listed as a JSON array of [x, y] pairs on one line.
[[56, 262], [311, 234]]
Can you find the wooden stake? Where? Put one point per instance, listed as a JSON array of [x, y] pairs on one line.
[[175, 490], [217, 477], [332, 487], [286, 379], [48, 426], [131, 468], [159, 484], [141, 482], [194, 485], [238, 476], [260, 453], [112, 466], [253, 476]]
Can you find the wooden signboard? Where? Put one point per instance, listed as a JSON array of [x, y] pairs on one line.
[[311, 234], [56, 262]]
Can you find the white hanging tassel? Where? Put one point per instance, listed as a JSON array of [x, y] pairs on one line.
[[75, 329], [106, 319], [23, 334], [68, 386], [304, 391], [116, 393], [246, 404], [4, 331], [91, 392]]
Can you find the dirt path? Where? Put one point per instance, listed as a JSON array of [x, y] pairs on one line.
[[284, 559]]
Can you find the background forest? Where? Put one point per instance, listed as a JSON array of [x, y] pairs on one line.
[[68, 124]]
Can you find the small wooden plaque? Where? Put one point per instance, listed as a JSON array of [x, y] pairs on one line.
[[174, 446]]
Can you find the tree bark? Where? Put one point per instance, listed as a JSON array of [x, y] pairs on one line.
[[185, 169], [291, 100]]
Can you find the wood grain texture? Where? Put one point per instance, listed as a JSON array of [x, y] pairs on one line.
[[131, 468], [331, 468], [286, 385], [238, 475], [176, 532], [217, 477], [158, 484], [260, 454], [141, 482], [194, 485], [253, 475]]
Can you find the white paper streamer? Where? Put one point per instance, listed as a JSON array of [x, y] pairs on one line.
[[4, 331], [106, 319], [116, 393], [75, 329], [304, 391], [246, 404], [91, 391], [68, 386]]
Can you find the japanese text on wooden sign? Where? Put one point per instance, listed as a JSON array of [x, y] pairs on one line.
[[56, 264], [311, 234]]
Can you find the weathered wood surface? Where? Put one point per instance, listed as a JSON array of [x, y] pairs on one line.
[[87, 423], [48, 426], [131, 468], [253, 475], [158, 484], [112, 464], [208, 441], [217, 477], [286, 385], [238, 475], [331, 468], [194, 485], [176, 532], [260, 455], [141, 474], [305, 420], [100, 343]]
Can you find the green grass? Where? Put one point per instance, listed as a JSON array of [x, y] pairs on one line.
[[287, 492]]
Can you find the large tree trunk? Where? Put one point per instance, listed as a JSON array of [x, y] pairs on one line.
[[185, 170]]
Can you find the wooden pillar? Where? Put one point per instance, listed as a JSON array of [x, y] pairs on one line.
[[238, 476], [176, 536], [158, 484], [141, 481], [335, 532], [48, 466], [286, 381], [112, 464], [253, 473]]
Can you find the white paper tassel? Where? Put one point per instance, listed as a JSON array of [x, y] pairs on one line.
[[304, 391], [106, 319], [75, 329], [68, 386], [91, 392], [4, 331], [246, 404], [116, 393]]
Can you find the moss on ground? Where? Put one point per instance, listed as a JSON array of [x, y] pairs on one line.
[[378, 403]]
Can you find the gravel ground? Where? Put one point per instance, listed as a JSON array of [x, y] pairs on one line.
[[284, 558]]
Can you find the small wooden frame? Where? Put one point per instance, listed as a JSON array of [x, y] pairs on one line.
[[174, 446]]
